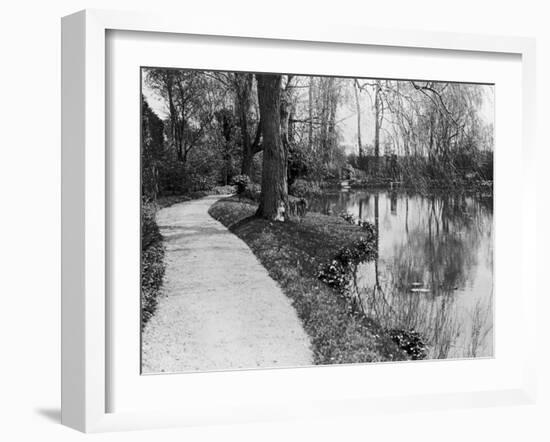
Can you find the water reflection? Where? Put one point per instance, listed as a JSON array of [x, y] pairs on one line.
[[434, 271]]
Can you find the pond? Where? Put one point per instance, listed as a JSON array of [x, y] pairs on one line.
[[434, 271]]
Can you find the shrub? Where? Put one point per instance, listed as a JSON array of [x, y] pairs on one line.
[[152, 274], [338, 273], [335, 274], [367, 226], [362, 249], [152, 261], [196, 182], [253, 192], [302, 188], [150, 233], [242, 182]]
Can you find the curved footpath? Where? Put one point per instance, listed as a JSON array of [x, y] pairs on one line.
[[219, 308]]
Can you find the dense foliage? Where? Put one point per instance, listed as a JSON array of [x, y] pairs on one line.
[[303, 188], [152, 151], [414, 133], [242, 182], [152, 262]]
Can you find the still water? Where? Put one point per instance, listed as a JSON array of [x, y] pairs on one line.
[[434, 272]]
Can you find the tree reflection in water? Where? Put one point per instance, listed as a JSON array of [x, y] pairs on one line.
[[434, 268]]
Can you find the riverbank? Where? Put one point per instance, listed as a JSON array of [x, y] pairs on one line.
[[427, 186], [293, 252]]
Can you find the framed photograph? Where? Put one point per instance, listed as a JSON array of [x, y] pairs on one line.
[[264, 223]]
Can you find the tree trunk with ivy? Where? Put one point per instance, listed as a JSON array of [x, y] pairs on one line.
[[274, 194]]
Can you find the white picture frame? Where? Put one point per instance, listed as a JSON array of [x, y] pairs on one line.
[[85, 312]]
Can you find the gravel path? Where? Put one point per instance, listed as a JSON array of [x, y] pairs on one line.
[[219, 309]]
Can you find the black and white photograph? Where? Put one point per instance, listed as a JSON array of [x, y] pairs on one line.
[[292, 220]]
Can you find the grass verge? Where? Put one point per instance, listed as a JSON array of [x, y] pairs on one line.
[[292, 252]]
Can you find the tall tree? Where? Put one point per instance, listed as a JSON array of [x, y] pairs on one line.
[[191, 102], [274, 193], [286, 113], [225, 119], [243, 85]]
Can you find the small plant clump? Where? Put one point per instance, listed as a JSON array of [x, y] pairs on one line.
[[367, 226], [335, 274], [241, 182], [348, 217], [409, 341], [302, 188], [361, 250], [338, 273]]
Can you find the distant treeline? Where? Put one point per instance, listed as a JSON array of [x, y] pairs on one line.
[[458, 170], [413, 132]]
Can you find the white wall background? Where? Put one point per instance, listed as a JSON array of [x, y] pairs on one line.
[[30, 216]]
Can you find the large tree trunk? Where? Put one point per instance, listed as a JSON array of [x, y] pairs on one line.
[[250, 148], [243, 89], [243, 101], [274, 195]]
